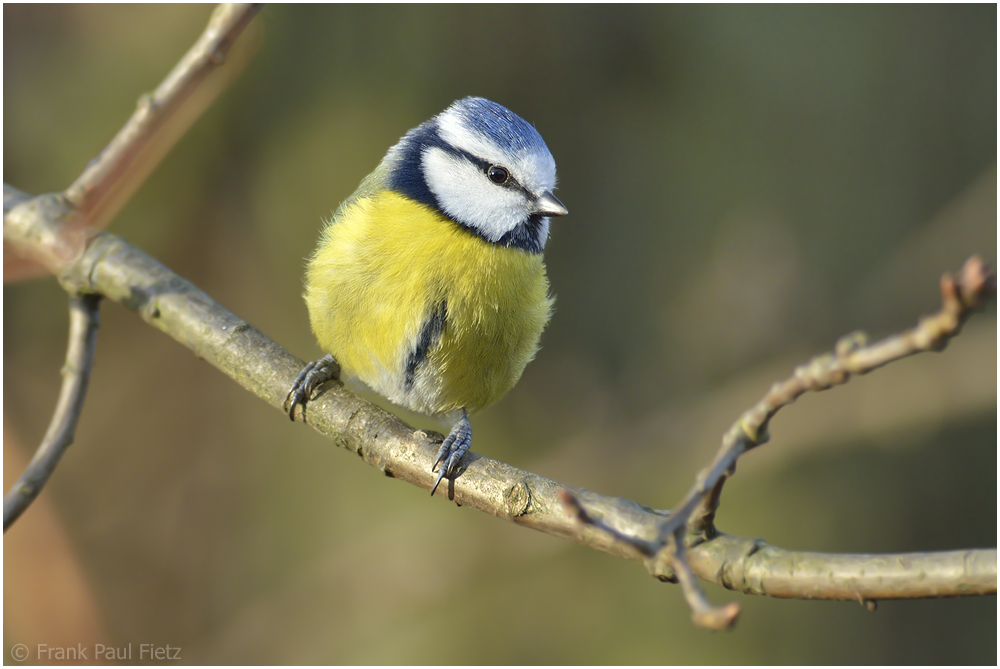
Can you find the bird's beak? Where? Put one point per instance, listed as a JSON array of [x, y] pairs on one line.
[[548, 205]]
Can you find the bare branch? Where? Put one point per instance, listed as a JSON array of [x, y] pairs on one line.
[[126, 275], [111, 178], [852, 355], [83, 324], [161, 119], [755, 567], [61, 232], [70, 221]]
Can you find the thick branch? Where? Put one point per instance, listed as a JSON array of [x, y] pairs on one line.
[[755, 567], [126, 275], [83, 323]]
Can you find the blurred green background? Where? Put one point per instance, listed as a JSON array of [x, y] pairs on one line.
[[746, 184]]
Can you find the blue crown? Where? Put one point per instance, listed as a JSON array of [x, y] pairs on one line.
[[510, 132]]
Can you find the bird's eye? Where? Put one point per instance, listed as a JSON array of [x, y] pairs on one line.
[[497, 175]]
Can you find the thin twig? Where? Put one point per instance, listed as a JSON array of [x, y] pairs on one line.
[[702, 612], [575, 509], [960, 295], [111, 177], [83, 324], [852, 355]]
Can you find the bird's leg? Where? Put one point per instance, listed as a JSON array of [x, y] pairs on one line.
[[452, 449], [311, 377]]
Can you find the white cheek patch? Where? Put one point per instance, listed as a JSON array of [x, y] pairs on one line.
[[467, 195]]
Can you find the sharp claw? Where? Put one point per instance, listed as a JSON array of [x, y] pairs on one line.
[[312, 375], [288, 397], [454, 446], [437, 482]]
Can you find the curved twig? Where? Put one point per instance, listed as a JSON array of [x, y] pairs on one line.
[[960, 295], [852, 354], [83, 324]]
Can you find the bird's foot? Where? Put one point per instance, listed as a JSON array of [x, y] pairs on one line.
[[455, 445], [313, 375]]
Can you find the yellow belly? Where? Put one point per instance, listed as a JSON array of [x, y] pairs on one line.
[[382, 268]]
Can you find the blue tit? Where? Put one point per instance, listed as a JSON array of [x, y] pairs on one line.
[[428, 283]]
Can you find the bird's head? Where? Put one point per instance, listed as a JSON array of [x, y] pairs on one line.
[[484, 167]]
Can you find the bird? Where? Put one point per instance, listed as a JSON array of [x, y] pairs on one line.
[[428, 284]]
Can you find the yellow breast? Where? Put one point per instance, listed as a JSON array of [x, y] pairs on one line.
[[385, 266]]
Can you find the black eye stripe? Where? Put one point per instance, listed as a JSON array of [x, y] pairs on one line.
[[483, 165]]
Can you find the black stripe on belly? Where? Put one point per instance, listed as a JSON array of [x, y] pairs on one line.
[[430, 335]]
